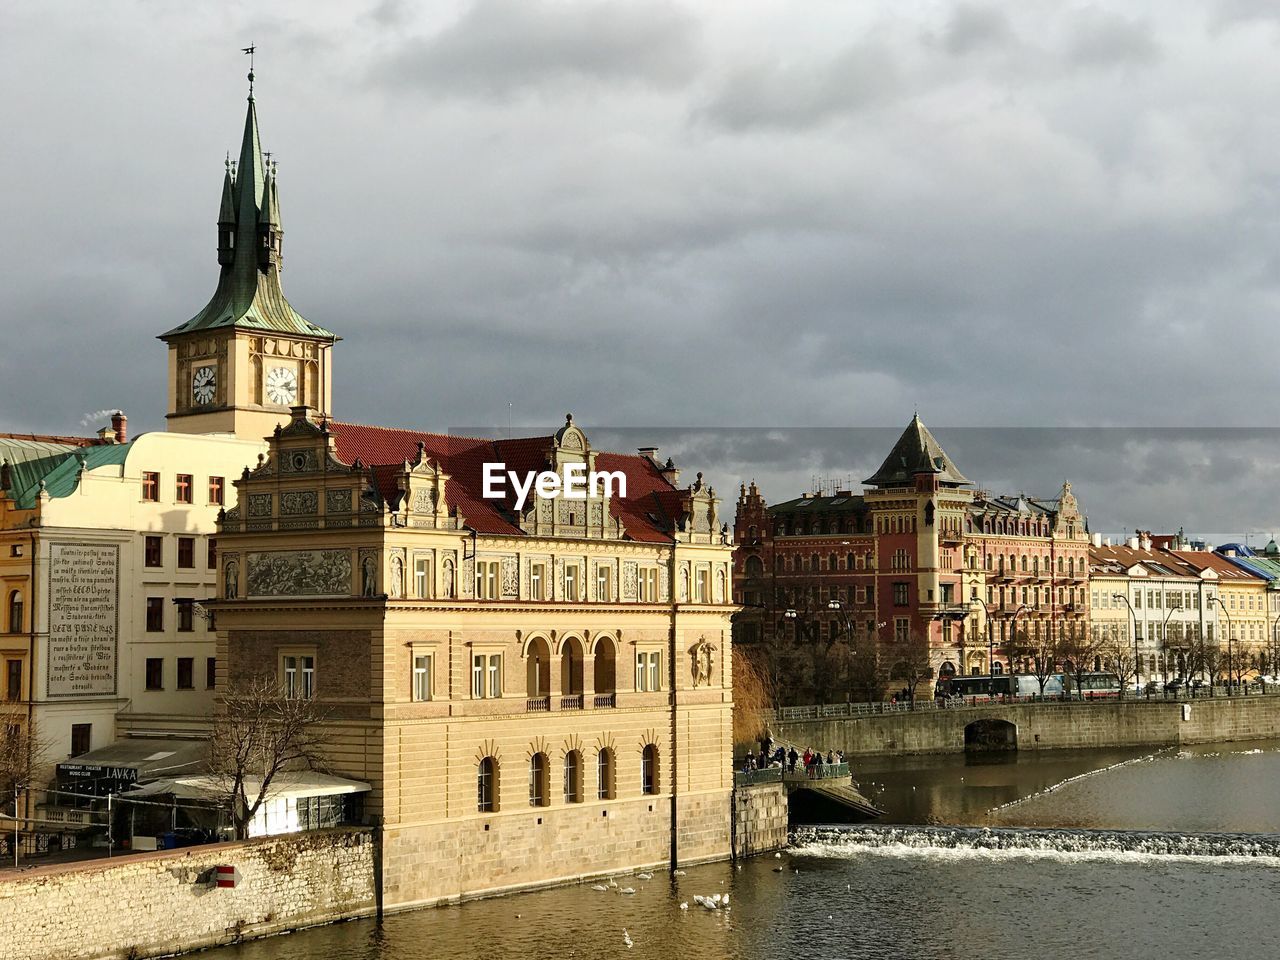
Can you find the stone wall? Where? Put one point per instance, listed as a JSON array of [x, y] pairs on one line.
[[759, 818], [1047, 726], [150, 905]]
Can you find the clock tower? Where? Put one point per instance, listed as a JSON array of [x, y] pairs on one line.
[[239, 364]]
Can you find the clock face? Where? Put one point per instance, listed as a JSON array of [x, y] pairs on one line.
[[204, 383], [282, 386]]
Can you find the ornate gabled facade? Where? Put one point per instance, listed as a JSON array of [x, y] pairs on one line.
[[239, 364], [536, 690], [918, 556]]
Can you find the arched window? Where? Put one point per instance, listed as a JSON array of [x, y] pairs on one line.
[[997, 668], [487, 785], [848, 561], [604, 774], [573, 777], [649, 769], [754, 567], [539, 774], [15, 612], [571, 665], [538, 669]]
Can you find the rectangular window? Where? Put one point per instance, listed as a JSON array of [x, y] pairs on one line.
[[421, 676], [901, 629], [155, 673], [210, 672], [13, 680], [155, 614], [186, 553], [216, 486], [186, 673], [186, 617], [299, 677], [150, 486], [648, 585], [649, 671], [900, 594], [537, 581], [571, 581], [702, 587], [486, 676], [603, 584], [182, 488], [212, 559], [422, 577], [487, 580], [81, 738], [153, 551]]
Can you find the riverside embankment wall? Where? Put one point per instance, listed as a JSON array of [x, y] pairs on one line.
[[759, 818], [154, 904], [1045, 726]]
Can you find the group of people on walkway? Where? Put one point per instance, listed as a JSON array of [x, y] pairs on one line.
[[811, 761]]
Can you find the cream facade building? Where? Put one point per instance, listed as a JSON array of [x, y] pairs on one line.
[[535, 693]]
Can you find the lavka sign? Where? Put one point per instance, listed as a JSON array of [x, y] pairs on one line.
[[84, 586], [575, 484]]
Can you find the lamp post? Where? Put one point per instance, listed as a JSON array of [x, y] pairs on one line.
[[986, 613], [1133, 616], [839, 607], [1230, 633], [1013, 625]]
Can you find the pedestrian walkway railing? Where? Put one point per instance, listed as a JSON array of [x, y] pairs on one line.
[[841, 711], [827, 771], [744, 778]]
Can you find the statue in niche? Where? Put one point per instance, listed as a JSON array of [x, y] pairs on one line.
[[369, 577], [703, 661], [397, 577], [446, 577], [231, 574]]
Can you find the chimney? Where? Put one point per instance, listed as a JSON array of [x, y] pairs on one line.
[[120, 426], [670, 472], [1146, 540], [649, 453], [1097, 539], [1133, 543]]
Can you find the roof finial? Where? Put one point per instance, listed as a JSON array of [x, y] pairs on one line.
[[250, 50]]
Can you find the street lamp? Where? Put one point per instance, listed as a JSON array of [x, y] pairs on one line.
[[1137, 664], [1230, 633], [839, 607], [991, 650]]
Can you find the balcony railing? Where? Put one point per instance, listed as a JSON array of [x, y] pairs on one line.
[[538, 704], [605, 700], [571, 702]]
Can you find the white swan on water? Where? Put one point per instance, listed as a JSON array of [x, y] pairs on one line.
[[626, 938]]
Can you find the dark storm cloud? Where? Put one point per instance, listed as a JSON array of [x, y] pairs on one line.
[[500, 48], [703, 213]]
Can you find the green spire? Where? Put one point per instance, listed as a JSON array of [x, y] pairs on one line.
[[249, 295]]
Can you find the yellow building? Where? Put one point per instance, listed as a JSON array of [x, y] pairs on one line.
[[536, 691]]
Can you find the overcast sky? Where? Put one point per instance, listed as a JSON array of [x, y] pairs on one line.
[[659, 214]]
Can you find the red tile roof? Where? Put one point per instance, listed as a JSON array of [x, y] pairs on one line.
[[1225, 569], [648, 513]]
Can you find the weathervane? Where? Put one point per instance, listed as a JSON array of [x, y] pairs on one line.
[[249, 50]]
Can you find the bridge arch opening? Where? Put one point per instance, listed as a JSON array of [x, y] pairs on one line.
[[990, 736]]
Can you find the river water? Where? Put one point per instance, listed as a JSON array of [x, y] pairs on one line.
[[1094, 854]]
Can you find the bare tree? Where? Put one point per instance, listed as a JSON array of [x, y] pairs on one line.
[[258, 734], [865, 673], [1119, 657], [21, 750], [1078, 653], [911, 662]]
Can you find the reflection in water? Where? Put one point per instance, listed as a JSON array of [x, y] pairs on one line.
[[910, 891]]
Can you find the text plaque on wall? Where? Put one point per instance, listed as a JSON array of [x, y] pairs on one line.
[[84, 619]]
